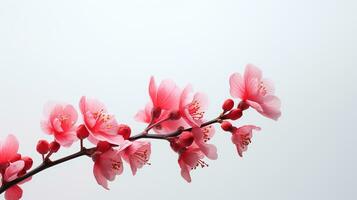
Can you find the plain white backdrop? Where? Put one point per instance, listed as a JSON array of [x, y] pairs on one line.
[[61, 50]]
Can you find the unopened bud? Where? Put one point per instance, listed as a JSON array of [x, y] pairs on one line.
[[226, 126], [54, 146], [28, 162], [228, 105], [42, 147], [82, 132], [124, 130], [234, 114]]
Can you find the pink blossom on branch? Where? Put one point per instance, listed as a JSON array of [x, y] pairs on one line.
[[174, 115], [255, 91], [60, 122], [101, 125]]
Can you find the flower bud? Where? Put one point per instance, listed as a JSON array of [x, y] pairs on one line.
[[124, 130], [234, 114], [28, 162], [54, 146], [103, 146], [228, 105], [42, 147], [82, 132], [226, 126], [243, 105]]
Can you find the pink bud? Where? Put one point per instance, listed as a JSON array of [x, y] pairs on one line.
[[42, 147], [82, 132], [226, 126], [54, 146], [234, 114], [124, 130], [228, 105]]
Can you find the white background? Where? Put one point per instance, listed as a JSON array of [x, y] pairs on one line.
[[60, 50]]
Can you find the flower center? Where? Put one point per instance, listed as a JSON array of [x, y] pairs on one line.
[[200, 163], [116, 165], [245, 140], [142, 156], [206, 133], [262, 88], [195, 110]]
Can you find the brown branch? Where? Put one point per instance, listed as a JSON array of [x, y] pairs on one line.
[[47, 163]]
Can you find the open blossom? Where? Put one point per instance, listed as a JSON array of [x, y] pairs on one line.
[[107, 165], [101, 125], [190, 159], [241, 137], [60, 122], [137, 154], [256, 91], [201, 136], [192, 107], [164, 101]]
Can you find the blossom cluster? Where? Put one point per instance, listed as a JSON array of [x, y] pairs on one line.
[[175, 114]]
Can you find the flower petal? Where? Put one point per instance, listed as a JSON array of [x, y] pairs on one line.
[[13, 193]]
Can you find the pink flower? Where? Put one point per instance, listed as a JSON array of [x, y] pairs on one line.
[[166, 96], [8, 150], [256, 91], [107, 165], [201, 136], [241, 137], [11, 173], [101, 125], [192, 107], [190, 159], [137, 154], [60, 122], [165, 126]]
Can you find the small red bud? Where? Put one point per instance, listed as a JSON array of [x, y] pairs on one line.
[[103, 146], [54, 146], [124, 130], [42, 147], [228, 105], [156, 112], [226, 126], [234, 114], [243, 105], [82, 132], [175, 115], [28, 162]]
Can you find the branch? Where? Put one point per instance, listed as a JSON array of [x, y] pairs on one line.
[[88, 152]]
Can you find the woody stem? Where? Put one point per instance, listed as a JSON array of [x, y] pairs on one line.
[[47, 163]]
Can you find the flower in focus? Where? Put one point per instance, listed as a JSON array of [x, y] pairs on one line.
[[107, 165], [256, 92], [137, 154], [241, 137], [201, 136], [101, 125], [190, 159], [60, 122], [164, 102], [192, 107]]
